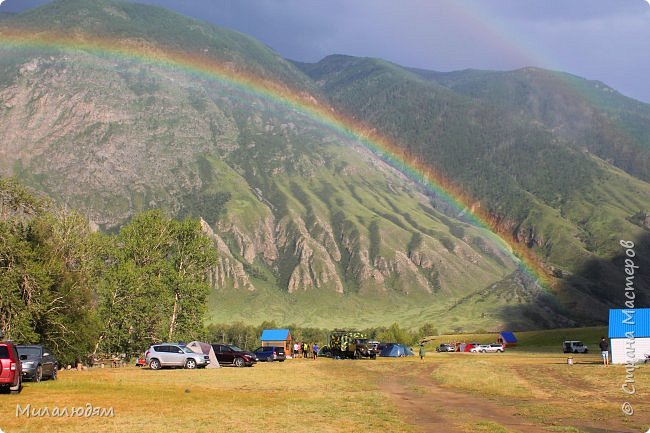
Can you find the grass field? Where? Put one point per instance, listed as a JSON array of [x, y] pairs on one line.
[[546, 341], [518, 391]]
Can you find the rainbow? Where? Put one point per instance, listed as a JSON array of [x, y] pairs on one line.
[[215, 69]]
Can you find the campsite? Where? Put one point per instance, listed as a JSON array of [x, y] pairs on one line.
[[525, 389]]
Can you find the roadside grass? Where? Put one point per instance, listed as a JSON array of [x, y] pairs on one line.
[[475, 375]]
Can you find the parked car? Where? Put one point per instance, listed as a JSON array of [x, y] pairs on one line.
[[37, 363], [487, 348], [444, 347], [229, 354], [270, 353], [492, 347], [574, 346], [174, 355], [11, 379], [470, 346]]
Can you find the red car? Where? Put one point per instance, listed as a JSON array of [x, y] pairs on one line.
[[10, 369]]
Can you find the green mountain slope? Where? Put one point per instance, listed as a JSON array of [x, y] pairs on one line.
[[589, 115], [310, 227], [150, 26], [539, 186]]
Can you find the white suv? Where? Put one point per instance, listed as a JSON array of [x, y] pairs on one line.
[[174, 355], [484, 348], [574, 346]]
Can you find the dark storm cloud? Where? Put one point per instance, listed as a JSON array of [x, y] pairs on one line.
[[606, 40]]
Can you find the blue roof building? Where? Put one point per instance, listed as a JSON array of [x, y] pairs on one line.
[[629, 333], [278, 337], [275, 334]]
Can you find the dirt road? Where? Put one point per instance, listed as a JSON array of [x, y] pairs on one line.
[[434, 408]]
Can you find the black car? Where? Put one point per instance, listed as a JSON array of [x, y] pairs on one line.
[[270, 353], [229, 354], [38, 363]]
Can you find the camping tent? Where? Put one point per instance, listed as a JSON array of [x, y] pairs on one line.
[[205, 349], [395, 350]]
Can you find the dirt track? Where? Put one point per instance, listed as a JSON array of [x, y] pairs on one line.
[[435, 409]]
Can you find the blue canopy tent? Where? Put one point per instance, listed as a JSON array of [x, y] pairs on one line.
[[395, 350], [508, 339]]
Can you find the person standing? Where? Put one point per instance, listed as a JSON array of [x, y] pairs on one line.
[[422, 351], [604, 350], [315, 350], [296, 349]]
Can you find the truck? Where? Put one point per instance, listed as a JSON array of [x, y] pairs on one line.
[[351, 344]]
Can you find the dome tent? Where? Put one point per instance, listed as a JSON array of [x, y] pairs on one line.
[[205, 349]]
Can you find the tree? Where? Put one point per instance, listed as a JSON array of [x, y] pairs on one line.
[[153, 284], [45, 290]]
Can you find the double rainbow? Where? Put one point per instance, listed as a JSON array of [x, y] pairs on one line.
[[278, 93]]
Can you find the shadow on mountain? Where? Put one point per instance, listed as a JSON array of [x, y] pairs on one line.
[[585, 297]]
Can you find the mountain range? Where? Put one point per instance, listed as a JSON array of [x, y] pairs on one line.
[[312, 226]]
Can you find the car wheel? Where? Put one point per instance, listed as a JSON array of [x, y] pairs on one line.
[[269, 359], [575, 350], [190, 364], [154, 364], [54, 372], [586, 350], [483, 351], [239, 362], [499, 351], [38, 374]]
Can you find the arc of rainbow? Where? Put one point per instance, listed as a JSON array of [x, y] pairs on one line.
[[210, 67]]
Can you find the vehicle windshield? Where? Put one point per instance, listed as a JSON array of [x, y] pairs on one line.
[[30, 352], [236, 349], [186, 350]]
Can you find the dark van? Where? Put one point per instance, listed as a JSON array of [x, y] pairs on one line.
[[270, 353]]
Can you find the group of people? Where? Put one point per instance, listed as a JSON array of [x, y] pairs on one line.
[[305, 350]]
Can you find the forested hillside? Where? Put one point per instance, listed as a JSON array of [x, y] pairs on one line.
[[534, 166]]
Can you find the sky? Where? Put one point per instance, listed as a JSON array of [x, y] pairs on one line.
[[606, 40]]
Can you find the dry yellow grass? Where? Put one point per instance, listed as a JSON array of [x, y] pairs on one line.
[[334, 396], [323, 396], [546, 389]]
